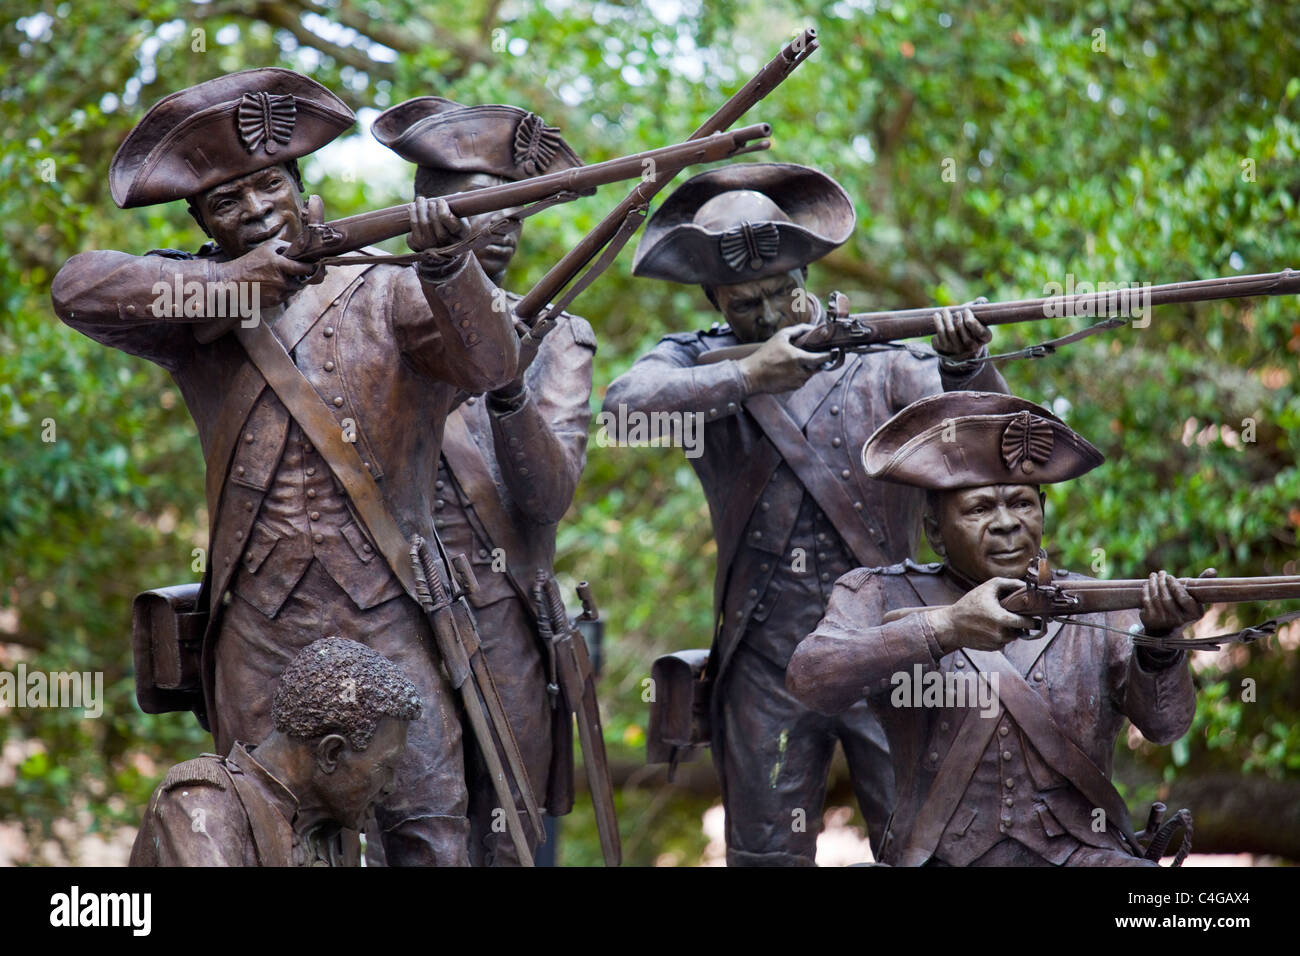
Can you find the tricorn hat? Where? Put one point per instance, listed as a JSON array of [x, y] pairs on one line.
[[968, 439], [501, 140], [744, 221], [220, 130]]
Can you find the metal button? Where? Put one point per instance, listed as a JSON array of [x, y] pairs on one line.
[[311, 492], [130, 310], [857, 506], [753, 592], [439, 523], [757, 535], [329, 330], [846, 473], [464, 323], [367, 548], [239, 536], [248, 506], [825, 575], [1006, 821], [365, 465], [713, 413], [439, 504], [311, 471], [438, 485], [821, 536], [315, 516], [1011, 784], [471, 400], [482, 552], [960, 662], [338, 401], [731, 407], [329, 366], [764, 567], [1006, 755], [1008, 801], [934, 755], [835, 409], [471, 338], [943, 725], [249, 438], [227, 598], [239, 470], [1001, 828], [523, 472], [739, 615], [835, 442], [1002, 731], [318, 537], [821, 555], [1038, 675], [765, 506], [759, 609]]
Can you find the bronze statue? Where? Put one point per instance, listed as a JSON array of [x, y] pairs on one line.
[[1001, 743], [792, 510], [371, 359], [511, 460], [340, 714]]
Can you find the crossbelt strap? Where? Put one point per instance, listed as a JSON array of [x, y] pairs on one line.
[[828, 491], [1055, 746], [469, 467], [322, 430]]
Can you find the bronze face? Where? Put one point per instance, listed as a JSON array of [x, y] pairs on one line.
[[497, 255], [247, 211], [758, 309], [348, 781], [990, 531]]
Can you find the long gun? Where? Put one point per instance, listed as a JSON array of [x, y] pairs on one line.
[[461, 650], [1045, 598], [325, 239], [841, 332], [613, 232], [577, 681]]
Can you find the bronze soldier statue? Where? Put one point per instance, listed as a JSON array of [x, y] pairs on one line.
[[1001, 740], [510, 461], [792, 510], [371, 359], [341, 713]]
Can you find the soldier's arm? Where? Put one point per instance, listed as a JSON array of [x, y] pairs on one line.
[[851, 655], [118, 299], [666, 379], [145, 305], [1152, 688], [540, 430], [448, 318], [196, 824]]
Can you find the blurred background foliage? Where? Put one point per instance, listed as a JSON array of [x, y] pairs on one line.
[[990, 148]]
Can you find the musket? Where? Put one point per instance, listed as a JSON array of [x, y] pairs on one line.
[[459, 646], [841, 332], [613, 232], [578, 686], [1045, 598]]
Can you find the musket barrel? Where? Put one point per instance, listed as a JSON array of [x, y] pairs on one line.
[[1126, 594], [576, 259], [363, 229], [911, 323]]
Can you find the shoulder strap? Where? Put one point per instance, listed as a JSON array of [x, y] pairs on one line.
[[828, 491], [322, 430], [469, 466], [1055, 746]]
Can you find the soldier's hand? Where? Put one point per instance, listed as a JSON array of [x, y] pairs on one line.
[[979, 620], [959, 335], [779, 365], [1166, 604], [433, 225], [277, 276]]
